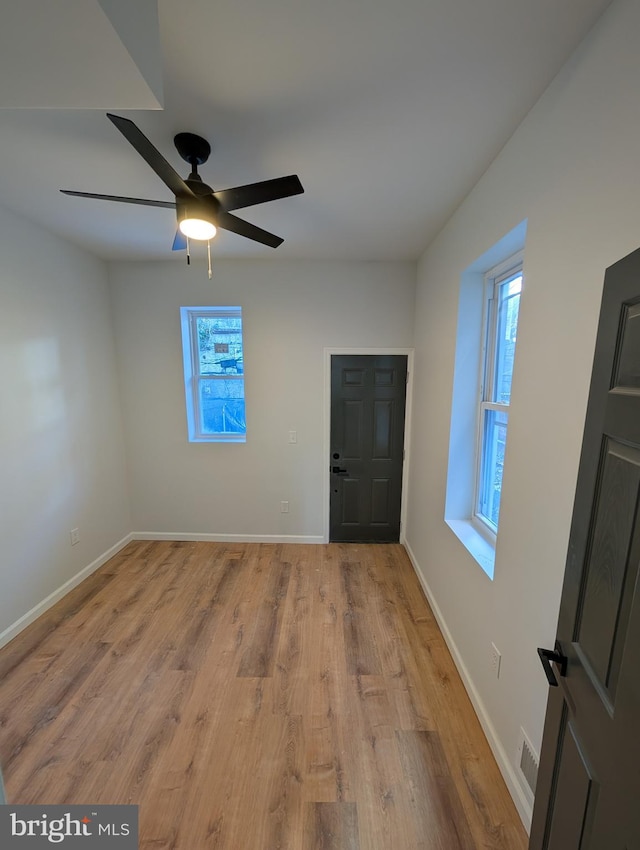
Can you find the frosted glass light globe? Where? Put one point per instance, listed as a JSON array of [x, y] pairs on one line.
[[197, 228]]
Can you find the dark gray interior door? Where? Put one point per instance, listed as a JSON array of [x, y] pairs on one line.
[[368, 395], [588, 794]]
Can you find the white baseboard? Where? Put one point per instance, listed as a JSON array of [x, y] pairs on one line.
[[227, 538], [56, 596], [507, 769]]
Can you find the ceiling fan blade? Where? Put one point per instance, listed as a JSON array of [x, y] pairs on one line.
[[152, 157], [170, 205], [179, 242], [259, 193], [243, 228]]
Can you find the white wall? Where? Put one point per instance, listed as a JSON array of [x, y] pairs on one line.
[[573, 170], [61, 445], [291, 311]]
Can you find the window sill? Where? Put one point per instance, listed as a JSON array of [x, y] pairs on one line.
[[219, 438], [481, 549]]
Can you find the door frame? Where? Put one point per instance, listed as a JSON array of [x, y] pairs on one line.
[[326, 475]]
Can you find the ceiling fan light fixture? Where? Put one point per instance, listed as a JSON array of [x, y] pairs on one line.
[[197, 228]]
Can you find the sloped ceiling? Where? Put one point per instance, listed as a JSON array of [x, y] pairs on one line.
[[388, 112], [80, 54]]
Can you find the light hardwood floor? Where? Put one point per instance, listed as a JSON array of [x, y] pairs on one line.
[[253, 697]]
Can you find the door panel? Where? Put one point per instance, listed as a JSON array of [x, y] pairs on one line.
[[382, 418], [589, 779], [367, 440], [573, 793], [352, 435], [627, 375], [601, 630], [380, 500], [350, 502]]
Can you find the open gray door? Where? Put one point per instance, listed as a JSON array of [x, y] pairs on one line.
[[588, 794]]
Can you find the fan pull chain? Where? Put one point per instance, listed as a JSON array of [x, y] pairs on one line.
[[209, 255], [188, 253]]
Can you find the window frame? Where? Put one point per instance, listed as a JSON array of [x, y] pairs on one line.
[[496, 277], [193, 376]]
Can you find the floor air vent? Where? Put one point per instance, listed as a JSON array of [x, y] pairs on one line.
[[527, 762]]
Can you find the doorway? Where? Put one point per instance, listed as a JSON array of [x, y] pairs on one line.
[[366, 445]]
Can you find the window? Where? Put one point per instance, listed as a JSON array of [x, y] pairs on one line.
[[503, 286], [214, 373], [488, 306]]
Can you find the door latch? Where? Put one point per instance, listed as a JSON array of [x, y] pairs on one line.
[[546, 657]]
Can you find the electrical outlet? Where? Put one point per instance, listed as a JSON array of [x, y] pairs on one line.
[[284, 507], [75, 536], [496, 657], [293, 437]]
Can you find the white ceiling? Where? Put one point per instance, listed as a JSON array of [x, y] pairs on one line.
[[389, 112]]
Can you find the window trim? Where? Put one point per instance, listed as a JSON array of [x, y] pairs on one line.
[[494, 278], [192, 375], [458, 505]]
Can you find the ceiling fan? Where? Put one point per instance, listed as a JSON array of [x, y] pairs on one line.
[[200, 210]]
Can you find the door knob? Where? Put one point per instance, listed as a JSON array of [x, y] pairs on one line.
[[546, 657], [337, 471]]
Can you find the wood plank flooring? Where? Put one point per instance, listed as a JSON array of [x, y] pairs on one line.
[[258, 696]]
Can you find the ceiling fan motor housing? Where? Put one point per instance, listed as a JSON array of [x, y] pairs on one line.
[[197, 185], [205, 208], [193, 149]]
